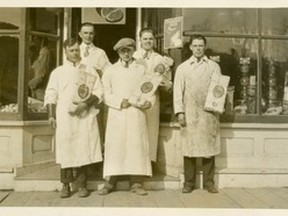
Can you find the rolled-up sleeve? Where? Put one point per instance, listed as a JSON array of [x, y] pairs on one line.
[[178, 91]]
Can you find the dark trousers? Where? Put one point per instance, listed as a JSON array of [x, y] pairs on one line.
[[208, 165], [133, 179], [66, 176]]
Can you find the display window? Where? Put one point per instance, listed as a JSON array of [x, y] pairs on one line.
[[250, 45], [30, 40]]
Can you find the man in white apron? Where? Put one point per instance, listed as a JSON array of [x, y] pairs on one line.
[[126, 140], [199, 129], [77, 135], [151, 60], [96, 58]]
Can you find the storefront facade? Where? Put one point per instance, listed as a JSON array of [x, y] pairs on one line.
[[249, 44]]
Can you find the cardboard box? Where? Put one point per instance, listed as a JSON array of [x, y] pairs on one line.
[[83, 88], [147, 86], [217, 92]]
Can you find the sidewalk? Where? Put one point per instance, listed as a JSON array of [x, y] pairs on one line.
[[236, 198]]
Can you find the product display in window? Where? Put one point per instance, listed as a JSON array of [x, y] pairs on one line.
[[247, 89], [11, 108], [272, 105]]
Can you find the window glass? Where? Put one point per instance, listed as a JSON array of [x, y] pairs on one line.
[[44, 19], [8, 73], [274, 77], [42, 60], [242, 21], [275, 21], [237, 58], [9, 18]]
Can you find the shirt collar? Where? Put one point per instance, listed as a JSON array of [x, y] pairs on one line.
[[83, 45], [124, 63], [193, 59], [143, 53]]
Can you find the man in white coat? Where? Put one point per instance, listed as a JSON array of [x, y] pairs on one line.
[[96, 58], [77, 135], [90, 54], [151, 60], [126, 140], [200, 129]]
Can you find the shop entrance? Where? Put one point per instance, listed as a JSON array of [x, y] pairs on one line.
[[106, 35]]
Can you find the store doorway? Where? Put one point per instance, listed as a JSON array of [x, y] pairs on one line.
[[108, 34]]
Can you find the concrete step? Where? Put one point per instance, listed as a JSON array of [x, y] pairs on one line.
[[47, 179]]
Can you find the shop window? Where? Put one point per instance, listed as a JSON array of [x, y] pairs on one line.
[[8, 73], [44, 20], [30, 40], [42, 60], [274, 100], [236, 21], [43, 55], [9, 59], [9, 18], [274, 21], [250, 46]]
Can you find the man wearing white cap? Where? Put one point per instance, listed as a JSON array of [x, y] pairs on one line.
[[126, 140]]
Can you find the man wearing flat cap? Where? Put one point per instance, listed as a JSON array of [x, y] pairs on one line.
[[126, 141]]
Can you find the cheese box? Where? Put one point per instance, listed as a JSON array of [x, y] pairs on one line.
[[147, 86], [217, 92], [83, 86]]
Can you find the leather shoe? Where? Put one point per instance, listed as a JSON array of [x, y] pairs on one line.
[[211, 189], [106, 190], [83, 192], [187, 189], [65, 191], [138, 189]]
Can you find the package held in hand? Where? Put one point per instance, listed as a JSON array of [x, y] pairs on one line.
[[217, 92], [84, 84], [147, 86]]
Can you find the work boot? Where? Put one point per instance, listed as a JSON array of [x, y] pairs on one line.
[[138, 189], [187, 189], [211, 189], [108, 188], [83, 192], [65, 191]]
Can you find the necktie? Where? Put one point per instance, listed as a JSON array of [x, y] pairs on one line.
[[145, 56], [126, 65], [86, 53]]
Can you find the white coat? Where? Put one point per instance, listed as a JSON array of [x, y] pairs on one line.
[[201, 136], [153, 114], [77, 139], [97, 57], [126, 140]]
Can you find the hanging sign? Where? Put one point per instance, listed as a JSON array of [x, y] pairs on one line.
[[173, 29], [113, 16]]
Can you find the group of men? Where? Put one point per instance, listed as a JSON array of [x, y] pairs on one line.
[[131, 135]]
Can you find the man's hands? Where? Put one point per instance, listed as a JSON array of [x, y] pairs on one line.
[[181, 119], [52, 122], [79, 109], [143, 105], [125, 104]]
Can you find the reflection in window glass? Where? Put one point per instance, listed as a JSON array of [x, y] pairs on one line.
[[44, 19], [10, 18], [42, 60], [8, 73], [274, 21], [241, 21], [274, 77], [237, 58]]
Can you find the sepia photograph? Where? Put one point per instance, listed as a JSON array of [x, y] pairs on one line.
[[144, 109]]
